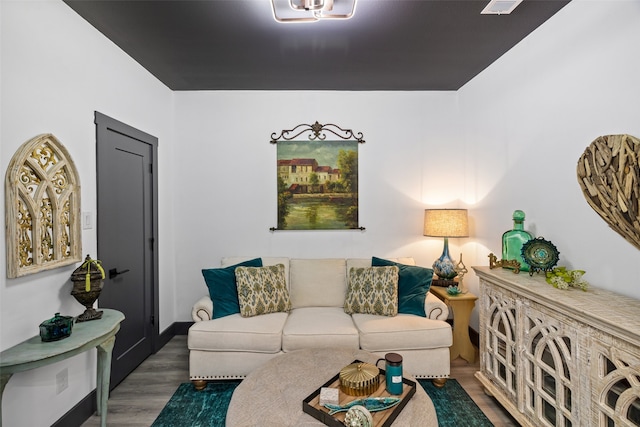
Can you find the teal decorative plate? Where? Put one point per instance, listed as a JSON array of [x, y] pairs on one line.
[[540, 254]]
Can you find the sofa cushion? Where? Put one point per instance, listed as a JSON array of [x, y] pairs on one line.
[[401, 332], [372, 290], [358, 263], [222, 287], [310, 327], [262, 290], [261, 334], [317, 282], [413, 284]]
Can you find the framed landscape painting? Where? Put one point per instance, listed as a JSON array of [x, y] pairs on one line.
[[317, 185]]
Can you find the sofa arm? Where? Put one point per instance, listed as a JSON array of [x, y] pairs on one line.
[[435, 308], [202, 309]]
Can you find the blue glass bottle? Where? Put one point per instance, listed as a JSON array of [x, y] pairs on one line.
[[513, 240]]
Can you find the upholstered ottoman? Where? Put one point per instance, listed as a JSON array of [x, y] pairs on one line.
[[272, 395]]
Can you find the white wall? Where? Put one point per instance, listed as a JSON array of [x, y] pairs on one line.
[[529, 117], [226, 170], [523, 123], [509, 139], [56, 71]]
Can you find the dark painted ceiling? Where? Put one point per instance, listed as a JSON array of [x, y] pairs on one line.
[[387, 45]]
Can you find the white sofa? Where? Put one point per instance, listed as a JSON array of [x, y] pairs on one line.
[[231, 347]]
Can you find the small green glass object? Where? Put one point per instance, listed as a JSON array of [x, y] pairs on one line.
[[513, 240], [56, 328]]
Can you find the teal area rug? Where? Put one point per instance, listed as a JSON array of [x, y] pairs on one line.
[[208, 408], [454, 406]]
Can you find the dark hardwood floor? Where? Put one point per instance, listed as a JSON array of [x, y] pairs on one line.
[[137, 401]]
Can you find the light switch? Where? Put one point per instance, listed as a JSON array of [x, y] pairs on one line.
[[87, 220]]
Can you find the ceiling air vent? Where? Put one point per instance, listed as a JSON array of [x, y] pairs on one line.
[[500, 7]]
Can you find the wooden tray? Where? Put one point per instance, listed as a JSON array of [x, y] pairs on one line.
[[311, 405]]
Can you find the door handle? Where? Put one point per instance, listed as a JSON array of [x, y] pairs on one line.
[[114, 272]]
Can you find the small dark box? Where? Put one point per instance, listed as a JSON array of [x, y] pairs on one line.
[[56, 328]]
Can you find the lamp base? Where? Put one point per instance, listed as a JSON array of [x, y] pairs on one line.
[[444, 267]]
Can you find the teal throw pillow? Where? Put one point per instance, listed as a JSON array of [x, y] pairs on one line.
[[413, 284], [222, 287]]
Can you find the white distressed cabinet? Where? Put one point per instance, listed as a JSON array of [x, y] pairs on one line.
[[559, 358]]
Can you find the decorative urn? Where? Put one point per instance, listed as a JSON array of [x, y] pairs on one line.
[[87, 285]]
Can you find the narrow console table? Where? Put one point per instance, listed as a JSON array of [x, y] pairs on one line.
[[33, 353], [559, 358]]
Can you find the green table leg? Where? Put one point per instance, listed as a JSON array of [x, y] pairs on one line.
[[4, 379], [104, 374]]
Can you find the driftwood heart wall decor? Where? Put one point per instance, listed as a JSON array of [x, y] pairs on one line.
[[608, 173]]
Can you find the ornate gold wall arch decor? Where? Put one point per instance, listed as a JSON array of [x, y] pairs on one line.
[[42, 208], [609, 175]]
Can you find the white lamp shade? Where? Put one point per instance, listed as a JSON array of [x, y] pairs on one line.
[[446, 223]]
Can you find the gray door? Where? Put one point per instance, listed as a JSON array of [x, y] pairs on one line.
[[127, 227]]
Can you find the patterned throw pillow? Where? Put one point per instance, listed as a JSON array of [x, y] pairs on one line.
[[372, 290], [262, 290], [413, 284]]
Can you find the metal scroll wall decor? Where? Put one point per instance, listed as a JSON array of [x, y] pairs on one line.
[[609, 174], [317, 178], [42, 208]]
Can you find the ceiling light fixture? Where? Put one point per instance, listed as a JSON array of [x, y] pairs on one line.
[[292, 11], [500, 7]]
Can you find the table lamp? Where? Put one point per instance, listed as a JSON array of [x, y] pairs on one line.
[[445, 223]]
